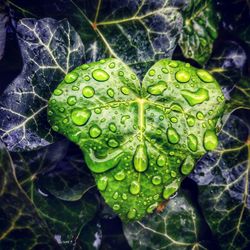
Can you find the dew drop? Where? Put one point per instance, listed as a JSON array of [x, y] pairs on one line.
[[187, 165], [200, 115], [140, 158], [86, 78], [156, 180], [115, 195], [173, 136], [110, 92], [113, 143], [192, 142], [157, 89], [121, 73], [116, 207], [152, 207], [161, 161], [100, 75], [102, 183], [170, 189], [71, 77], [55, 128], [197, 97], [75, 88], [124, 118], [176, 107], [210, 140], [182, 76], [88, 92], [131, 213], [112, 65], [151, 72], [71, 100], [50, 113], [124, 196], [85, 66], [173, 119], [134, 188], [125, 90], [120, 175], [164, 70], [98, 111], [173, 173], [57, 92], [95, 131], [204, 75], [80, 116], [190, 121], [173, 64]]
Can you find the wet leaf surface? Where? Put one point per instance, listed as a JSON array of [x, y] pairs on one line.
[[139, 142], [223, 180], [49, 49]]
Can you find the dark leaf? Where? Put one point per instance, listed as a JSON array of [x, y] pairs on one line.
[[50, 49], [20, 225], [179, 226], [223, 179], [199, 31]]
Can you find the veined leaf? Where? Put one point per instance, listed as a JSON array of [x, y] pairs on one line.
[[49, 49], [199, 31], [3, 28], [134, 31], [223, 178], [139, 141], [179, 226], [60, 188], [20, 224]]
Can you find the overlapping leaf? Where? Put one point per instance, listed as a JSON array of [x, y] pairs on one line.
[[179, 226], [223, 179], [20, 224], [3, 28], [137, 32], [199, 31], [59, 186], [49, 49]]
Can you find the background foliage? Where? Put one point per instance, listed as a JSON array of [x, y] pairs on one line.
[[48, 199]]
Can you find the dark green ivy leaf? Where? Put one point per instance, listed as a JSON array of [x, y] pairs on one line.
[[60, 187], [199, 31], [223, 179], [20, 225], [49, 49], [179, 226]]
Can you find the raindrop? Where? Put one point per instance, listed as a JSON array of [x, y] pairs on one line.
[[170, 189], [100, 75], [140, 158], [80, 116], [151, 72], [187, 165], [157, 89], [120, 175], [210, 140], [110, 92], [152, 207], [156, 180], [57, 92], [131, 213], [95, 131], [112, 127], [71, 100], [204, 75], [125, 90], [113, 143], [173, 136], [182, 76], [161, 161], [115, 195], [192, 142], [197, 97], [102, 183], [173, 64], [190, 121], [134, 188], [116, 207], [200, 115], [88, 92], [71, 77], [112, 65]]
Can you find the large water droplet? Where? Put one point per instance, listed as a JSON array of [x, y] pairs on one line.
[[112, 127], [204, 75], [152, 207], [157, 89], [88, 92], [196, 97], [120, 175], [210, 140], [102, 183], [71, 77], [140, 158], [131, 213], [170, 189], [116, 207], [100, 75], [71, 100], [80, 116], [182, 76], [187, 165], [95, 131], [190, 121], [156, 180], [173, 136], [125, 90], [134, 187], [57, 92], [110, 92], [192, 142], [113, 143], [161, 161]]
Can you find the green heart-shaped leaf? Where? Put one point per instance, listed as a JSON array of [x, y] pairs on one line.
[[139, 141]]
